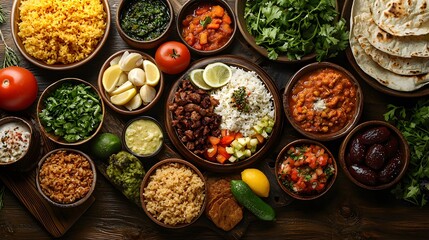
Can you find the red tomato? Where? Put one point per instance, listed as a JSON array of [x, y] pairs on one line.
[[172, 57], [18, 88]]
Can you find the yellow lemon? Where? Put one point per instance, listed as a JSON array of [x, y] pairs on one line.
[[152, 73], [123, 98], [111, 77], [196, 76], [217, 74], [257, 181], [124, 87]]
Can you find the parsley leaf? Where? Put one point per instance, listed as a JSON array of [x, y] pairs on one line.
[[205, 22], [414, 125], [296, 27]]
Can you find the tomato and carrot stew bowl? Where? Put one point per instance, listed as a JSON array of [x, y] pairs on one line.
[[323, 101], [305, 169], [219, 123], [206, 27]]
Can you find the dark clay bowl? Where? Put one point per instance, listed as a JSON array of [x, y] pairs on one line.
[[15, 19], [392, 176], [147, 179], [189, 7], [321, 136], [301, 196], [140, 44]]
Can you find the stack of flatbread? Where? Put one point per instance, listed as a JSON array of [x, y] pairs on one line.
[[390, 41]]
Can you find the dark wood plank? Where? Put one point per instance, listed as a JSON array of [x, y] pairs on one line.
[[345, 212]]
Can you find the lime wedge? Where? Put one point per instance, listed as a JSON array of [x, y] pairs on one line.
[[217, 74], [196, 76]]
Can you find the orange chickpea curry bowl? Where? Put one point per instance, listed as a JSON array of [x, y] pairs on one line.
[[323, 101], [206, 27]]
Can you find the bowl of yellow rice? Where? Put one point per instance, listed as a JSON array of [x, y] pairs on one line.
[[66, 34]]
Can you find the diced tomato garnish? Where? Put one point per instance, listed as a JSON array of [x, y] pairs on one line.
[[222, 151], [211, 152], [260, 138], [223, 132], [238, 135], [214, 140], [220, 158], [227, 140]]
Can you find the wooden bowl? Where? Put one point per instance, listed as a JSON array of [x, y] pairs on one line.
[[142, 135], [301, 196], [250, 39], [15, 20], [79, 201], [345, 162], [189, 7], [319, 135], [148, 177], [41, 105], [121, 109], [26, 161], [140, 44], [259, 154]]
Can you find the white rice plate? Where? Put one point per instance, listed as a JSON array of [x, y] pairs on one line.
[[260, 102]]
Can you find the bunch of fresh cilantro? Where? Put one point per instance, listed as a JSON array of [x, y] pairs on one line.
[[414, 125], [296, 27]]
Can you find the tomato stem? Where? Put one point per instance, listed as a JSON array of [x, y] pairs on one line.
[[174, 55], [5, 83]]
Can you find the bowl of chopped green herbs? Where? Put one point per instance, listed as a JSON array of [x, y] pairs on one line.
[[144, 24], [292, 31], [70, 111]]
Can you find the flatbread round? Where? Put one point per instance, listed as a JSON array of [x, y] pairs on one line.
[[402, 17], [383, 76], [398, 65]]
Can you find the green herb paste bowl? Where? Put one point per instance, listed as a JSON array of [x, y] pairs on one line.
[[147, 11], [77, 125]]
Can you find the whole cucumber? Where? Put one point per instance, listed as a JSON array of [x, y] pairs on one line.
[[251, 201]]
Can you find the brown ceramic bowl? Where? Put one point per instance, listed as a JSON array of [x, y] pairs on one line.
[[312, 195], [250, 39], [390, 177], [227, 166], [189, 7], [26, 160], [15, 20], [140, 44], [41, 105], [121, 109], [172, 176], [318, 134], [79, 201], [142, 135]]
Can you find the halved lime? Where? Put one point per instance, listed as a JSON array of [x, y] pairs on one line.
[[196, 76], [217, 74]]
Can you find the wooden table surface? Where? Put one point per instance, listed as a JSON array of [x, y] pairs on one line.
[[345, 212]]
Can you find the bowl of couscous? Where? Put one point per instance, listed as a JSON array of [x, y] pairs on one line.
[[63, 39], [173, 193]]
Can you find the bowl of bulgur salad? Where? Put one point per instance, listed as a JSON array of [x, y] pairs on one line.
[[66, 177], [66, 35], [18, 144]]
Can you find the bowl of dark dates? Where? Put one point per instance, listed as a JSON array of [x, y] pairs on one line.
[[374, 155]]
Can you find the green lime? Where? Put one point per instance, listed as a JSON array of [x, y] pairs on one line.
[[196, 76], [217, 74], [104, 145]]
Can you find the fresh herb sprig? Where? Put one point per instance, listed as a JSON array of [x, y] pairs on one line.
[[2, 15], [10, 57], [206, 22], [72, 112], [296, 27], [414, 125]]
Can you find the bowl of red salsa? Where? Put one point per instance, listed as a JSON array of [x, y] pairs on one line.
[[305, 169], [323, 101], [206, 27]]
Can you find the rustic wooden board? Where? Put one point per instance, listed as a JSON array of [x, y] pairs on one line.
[[277, 197], [55, 220]]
